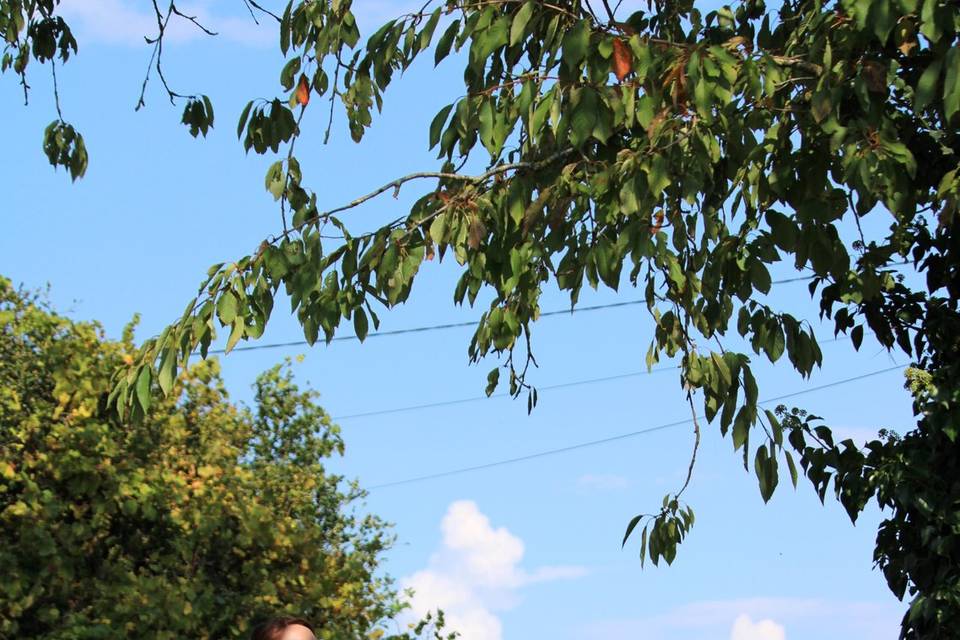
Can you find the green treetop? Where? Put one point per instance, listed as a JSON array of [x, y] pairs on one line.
[[190, 523]]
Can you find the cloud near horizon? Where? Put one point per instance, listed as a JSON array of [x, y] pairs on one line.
[[126, 23], [762, 618], [476, 573], [745, 628]]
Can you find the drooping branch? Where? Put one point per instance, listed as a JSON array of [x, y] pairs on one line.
[[163, 21], [252, 4], [421, 175], [696, 445], [56, 89]]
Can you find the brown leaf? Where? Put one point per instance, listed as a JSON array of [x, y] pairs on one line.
[[735, 42], [657, 223], [476, 234], [875, 76], [658, 120], [906, 35], [622, 59], [303, 90]]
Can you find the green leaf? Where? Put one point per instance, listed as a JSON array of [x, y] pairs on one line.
[[235, 334], [820, 105], [575, 45], [584, 118], [227, 308], [209, 109], [630, 527], [658, 177], [791, 465], [882, 20], [951, 83], [741, 428], [436, 126], [143, 388], [446, 41], [285, 28], [927, 85], [168, 369], [360, 325], [540, 113], [424, 37], [722, 368], [520, 20], [856, 335], [643, 546], [493, 379], [766, 470], [276, 179], [288, 73], [438, 229]]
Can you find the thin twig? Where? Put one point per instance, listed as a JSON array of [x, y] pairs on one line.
[[255, 5], [253, 16], [56, 90], [592, 13], [696, 446], [610, 12], [192, 19], [333, 95], [157, 55]]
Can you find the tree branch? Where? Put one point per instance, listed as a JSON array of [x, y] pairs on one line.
[[192, 19], [399, 182], [252, 4], [696, 446], [56, 90]]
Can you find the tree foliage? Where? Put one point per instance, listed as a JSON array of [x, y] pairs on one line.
[[680, 150], [190, 523]]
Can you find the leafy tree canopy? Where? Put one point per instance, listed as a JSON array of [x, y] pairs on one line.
[[190, 523], [680, 150]]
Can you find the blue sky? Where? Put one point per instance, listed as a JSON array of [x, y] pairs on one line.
[[523, 550]]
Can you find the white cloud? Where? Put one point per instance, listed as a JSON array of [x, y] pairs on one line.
[[735, 619], [475, 573], [126, 22], [746, 629], [602, 482]]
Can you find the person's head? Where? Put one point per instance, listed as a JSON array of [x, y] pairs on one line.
[[284, 628]]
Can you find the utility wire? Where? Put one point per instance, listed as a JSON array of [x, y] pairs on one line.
[[561, 385], [622, 436], [446, 403], [434, 327], [470, 323]]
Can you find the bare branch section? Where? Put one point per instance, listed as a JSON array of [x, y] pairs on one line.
[[395, 185], [696, 445], [163, 22], [56, 89], [253, 6], [192, 19]]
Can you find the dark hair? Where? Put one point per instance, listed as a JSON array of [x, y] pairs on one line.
[[273, 628]]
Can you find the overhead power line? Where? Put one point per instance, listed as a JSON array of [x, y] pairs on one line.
[[622, 436], [446, 403], [561, 385], [433, 327], [469, 323]]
